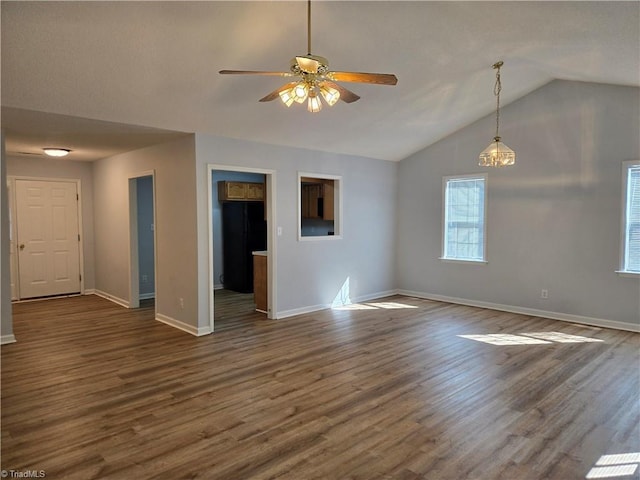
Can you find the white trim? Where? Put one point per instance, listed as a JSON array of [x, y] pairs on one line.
[[622, 273], [218, 286], [112, 298], [270, 206], [147, 296], [445, 180], [185, 327], [338, 188], [7, 339], [565, 317], [626, 165], [89, 291], [316, 308], [459, 260]]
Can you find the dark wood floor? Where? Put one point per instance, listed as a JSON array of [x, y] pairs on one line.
[[389, 391]]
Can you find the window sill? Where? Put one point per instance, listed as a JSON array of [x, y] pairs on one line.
[[458, 260], [623, 273], [311, 238]]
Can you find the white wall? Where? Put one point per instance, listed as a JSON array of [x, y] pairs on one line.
[[176, 253], [311, 273], [553, 218], [51, 168]]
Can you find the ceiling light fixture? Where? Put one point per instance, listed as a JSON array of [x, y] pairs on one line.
[[56, 152], [314, 81], [497, 154]]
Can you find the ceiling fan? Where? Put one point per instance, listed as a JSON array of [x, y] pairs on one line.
[[314, 79]]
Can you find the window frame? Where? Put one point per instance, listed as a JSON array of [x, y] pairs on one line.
[[338, 186], [626, 169], [445, 180]]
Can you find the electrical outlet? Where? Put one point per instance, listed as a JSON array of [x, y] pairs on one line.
[[181, 302], [145, 278], [544, 293]]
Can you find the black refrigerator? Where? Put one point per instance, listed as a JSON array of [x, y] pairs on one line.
[[244, 230]]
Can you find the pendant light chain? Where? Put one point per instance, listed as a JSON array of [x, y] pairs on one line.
[[497, 88]]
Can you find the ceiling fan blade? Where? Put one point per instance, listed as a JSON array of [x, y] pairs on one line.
[[255, 72], [276, 93], [346, 96], [360, 77]]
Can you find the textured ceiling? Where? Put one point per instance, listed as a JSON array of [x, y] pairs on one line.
[[155, 64]]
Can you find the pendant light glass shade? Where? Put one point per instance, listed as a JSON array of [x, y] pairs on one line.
[[497, 154], [287, 96], [300, 92], [314, 105], [330, 95]]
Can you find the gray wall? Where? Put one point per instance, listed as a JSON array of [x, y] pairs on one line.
[[6, 318], [219, 175], [554, 219], [52, 168], [311, 273], [176, 253], [144, 193]]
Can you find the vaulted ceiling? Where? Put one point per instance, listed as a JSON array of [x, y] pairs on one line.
[[139, 72]]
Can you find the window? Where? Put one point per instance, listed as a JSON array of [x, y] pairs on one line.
[[319, 206], [631, 217], [464, 218]]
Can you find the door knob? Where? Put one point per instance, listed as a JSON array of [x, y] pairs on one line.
[[22, 246]]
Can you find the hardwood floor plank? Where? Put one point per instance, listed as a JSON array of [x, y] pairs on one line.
[[383, 390]]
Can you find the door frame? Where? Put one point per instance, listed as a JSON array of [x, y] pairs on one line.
[[270, 206], [11, 184], [134, 271]]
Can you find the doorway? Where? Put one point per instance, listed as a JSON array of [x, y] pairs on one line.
[[238, 301], [142, 239], [46, 246]]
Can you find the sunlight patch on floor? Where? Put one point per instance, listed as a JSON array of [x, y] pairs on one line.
[[534, 338], [374, 306], [562, 337], [616, 465], [504, 339]]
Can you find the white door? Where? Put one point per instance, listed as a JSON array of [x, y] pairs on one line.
[[47, 237]]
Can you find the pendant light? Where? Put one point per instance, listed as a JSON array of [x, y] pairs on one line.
[[497, 154]]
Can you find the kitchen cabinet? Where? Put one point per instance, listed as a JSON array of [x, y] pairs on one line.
[[318, 199], [260, 281], [240, 191]]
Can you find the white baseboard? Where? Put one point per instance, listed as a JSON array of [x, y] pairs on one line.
[[147, 296], [6, 339], [565, 317], [89, 291], [185, 327], [218, 286], [316, 308], [112, 298]]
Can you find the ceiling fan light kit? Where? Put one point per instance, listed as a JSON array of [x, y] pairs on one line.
[[315, 80], [497, 154]]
